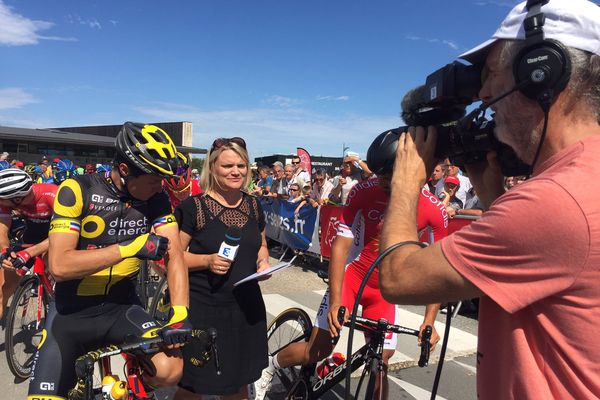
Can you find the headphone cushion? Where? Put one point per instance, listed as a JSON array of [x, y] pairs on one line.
[[546, 65]]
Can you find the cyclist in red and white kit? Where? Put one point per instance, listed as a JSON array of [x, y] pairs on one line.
[[354, 250], [182, 186], [34, 202]]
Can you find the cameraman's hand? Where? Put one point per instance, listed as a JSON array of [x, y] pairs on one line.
[[148, 246], [487, 179], [414, 158], [178, 330]]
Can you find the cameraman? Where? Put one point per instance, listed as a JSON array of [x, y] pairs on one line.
[[535, 270]]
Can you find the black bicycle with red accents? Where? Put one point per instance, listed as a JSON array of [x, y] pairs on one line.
[[300, 383]]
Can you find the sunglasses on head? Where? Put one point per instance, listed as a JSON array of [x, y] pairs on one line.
[[220, 142]]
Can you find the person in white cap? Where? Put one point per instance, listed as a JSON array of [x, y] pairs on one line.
[[533, 257]]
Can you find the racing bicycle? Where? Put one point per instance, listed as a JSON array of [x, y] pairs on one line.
[[300, 383], [132, 388], [26, 316]]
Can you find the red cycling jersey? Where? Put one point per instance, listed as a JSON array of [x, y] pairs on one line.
[[363, 215], [37, 214], [362, 219]]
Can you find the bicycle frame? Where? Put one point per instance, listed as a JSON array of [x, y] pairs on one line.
[[45, 282], [372, 349], [84, 365], [359, 357]]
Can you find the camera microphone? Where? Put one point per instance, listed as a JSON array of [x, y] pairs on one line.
[[416, 111], [230, 245]]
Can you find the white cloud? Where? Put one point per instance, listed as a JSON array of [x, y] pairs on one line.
[[282, 101], [17, 30], [276, 130], [15, 98], [90, 22], [448, 43], [333, 98]]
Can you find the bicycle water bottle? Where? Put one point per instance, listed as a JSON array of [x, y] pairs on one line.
[[329, 364], [113, 388]]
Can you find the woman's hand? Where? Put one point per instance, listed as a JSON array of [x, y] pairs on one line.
[[218, 265], [262, 265]]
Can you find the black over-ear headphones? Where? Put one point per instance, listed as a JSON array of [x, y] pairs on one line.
[[543, 67]]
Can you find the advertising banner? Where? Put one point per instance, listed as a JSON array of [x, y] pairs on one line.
[[293, 230]]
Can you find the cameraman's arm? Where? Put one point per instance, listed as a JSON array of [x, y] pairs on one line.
[[411, 274], [487, 179]]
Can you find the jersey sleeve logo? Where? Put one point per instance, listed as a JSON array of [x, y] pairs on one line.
[[65, 226], [165, 221]]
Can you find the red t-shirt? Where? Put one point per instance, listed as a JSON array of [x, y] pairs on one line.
[[37, 214], [536, 256], [363, 216]]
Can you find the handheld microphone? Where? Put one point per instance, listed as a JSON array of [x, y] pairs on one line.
[[230, 245]]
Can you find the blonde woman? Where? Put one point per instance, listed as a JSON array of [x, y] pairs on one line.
[[238, 313]]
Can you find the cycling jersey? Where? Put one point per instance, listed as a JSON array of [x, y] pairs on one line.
[[362, 220], [91, 207], [37, 214], [363, 215]]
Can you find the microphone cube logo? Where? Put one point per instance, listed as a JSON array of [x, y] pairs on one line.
[[226, 251]]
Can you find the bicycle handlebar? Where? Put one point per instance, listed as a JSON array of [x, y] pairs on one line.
[[383, 326]]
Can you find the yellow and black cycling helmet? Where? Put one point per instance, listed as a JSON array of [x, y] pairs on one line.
[[147, 148]]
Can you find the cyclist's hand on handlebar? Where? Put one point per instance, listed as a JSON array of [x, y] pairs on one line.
[[20, 260], [334, 325], [148, 246], [178, 330], [435, 338]]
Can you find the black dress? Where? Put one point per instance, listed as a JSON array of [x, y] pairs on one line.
[[237, 313]]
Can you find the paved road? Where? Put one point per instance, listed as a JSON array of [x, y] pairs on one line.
[[299, 286]]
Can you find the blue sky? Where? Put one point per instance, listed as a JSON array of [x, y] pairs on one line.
[[280, 73]]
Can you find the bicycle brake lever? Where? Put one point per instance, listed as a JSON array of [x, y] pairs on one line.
[[340, 317], [425, 346]]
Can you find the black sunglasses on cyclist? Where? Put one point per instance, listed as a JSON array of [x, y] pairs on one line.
[[17, 200], [220, 142]]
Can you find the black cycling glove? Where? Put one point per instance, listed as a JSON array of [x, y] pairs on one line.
[[178, 330], [148, 246]]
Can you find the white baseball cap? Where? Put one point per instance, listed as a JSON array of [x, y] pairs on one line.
[[574, 23]]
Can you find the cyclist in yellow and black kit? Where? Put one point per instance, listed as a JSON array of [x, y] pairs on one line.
[[99, 232]]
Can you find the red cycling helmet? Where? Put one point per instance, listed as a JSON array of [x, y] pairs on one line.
[[183, 178]]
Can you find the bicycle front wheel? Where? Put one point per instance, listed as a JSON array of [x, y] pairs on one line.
[[291, 326], [24, 327]]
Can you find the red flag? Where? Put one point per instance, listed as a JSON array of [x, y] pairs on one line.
[[304, 160]]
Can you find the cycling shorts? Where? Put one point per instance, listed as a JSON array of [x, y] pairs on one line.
[[373, 304], [68, 336]]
